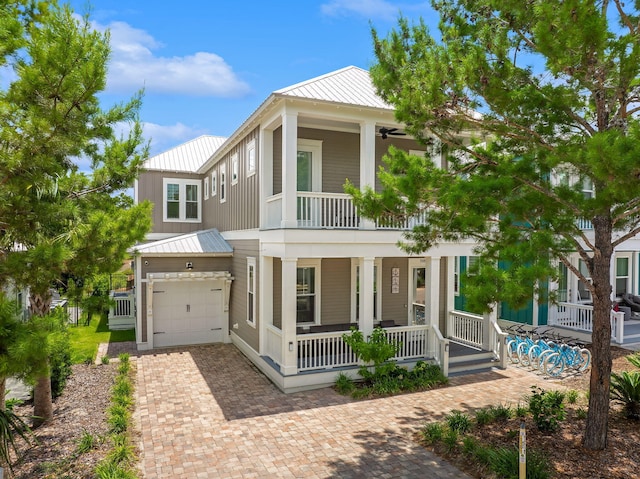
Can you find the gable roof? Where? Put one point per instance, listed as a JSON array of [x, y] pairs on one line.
[[187, 157], [350, 85], [208, 242]]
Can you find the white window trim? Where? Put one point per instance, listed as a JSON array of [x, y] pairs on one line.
[[315, 147], [251, 147], [205, 188], [214, 183], [223, 183], [629, 274], [251, 288], [235, 169], [355, 262], [317, 264], [182, 183]]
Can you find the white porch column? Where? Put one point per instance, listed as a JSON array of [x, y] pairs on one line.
[[289, 170], [265, 298], [367, 162], [633, 271], [434, 291], [366, 296], [265, 171], [535, 309], [451, 293], [289, 343], [490, 318]]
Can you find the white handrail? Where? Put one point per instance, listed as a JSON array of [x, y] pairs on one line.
[[466, 328]]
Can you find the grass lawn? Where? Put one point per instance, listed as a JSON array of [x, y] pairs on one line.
[[85, 339]]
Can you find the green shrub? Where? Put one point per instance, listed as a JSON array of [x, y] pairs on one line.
[[432, 432], [450, 440], [505, 463], [458, 421], [344, 384], [12, 427], [483, 417], [86, 443], [581, 413], [501, 412], [547, 408], [122, 386], [521, 411], [118, 418], [376, 352], [469, 445], [572, 396], [108, 469], [625, 389], [104, 359], [59, 353]]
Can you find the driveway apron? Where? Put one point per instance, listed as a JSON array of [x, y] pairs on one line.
[[207, 412]]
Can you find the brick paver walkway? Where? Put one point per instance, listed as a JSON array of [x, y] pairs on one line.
[[206, 412]]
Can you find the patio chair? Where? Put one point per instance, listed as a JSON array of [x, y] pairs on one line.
[[632, 301]]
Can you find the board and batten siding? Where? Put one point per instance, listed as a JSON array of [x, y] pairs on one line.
[[277, 293], [150, 187], [176, 265], [243, 249], [335, 291], [241, 209], [394, 305]]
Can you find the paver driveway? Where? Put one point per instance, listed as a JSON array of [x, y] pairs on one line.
[[206, 412]]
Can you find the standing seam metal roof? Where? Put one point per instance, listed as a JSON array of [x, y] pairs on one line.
[[350, 85], [203, 242], [187, 157]]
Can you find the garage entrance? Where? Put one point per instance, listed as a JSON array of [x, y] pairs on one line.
[[188, 312]]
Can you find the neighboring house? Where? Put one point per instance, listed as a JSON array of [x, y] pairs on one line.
[[255, 242]]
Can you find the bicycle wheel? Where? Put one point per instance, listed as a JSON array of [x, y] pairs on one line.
[[553, 365], [523, 354], [534, 356], [584, 356], [512, 351]]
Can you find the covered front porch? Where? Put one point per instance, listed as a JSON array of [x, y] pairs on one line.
[[316, 301]]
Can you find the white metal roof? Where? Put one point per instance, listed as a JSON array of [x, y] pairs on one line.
[[350, 85], [201, 242], [187, 157]]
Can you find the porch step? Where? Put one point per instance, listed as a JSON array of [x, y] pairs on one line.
[[481, 361]]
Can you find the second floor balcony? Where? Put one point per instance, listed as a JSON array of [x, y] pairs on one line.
[[318, 210]]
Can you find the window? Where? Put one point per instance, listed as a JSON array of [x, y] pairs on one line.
[[563, 283], [306, 291], [587, 188], [584, 295], [206, 188], [214, 183], [456, 276], [622, 276], [251, 158], [234, 169], [223, 183], [251, 291], [377, 271], [181, 200], [473, 263]]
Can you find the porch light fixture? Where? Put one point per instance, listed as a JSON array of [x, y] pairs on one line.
[[189, 265], [290, 345]]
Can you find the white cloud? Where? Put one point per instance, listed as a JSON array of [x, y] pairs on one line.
[[164, 137], [134, 65], [370, 9]]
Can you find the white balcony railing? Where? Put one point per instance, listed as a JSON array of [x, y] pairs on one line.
[[580, 317], [319, 210]]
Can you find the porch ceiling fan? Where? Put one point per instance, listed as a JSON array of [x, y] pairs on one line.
[[384, 132]]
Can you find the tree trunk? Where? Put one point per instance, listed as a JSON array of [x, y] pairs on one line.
[[595, 434], [3, 392], [40, 305], [42, 404]]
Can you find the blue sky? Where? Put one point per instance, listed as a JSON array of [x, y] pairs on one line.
[[207, 65]]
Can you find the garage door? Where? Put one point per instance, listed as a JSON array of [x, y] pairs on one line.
[[187, 312]]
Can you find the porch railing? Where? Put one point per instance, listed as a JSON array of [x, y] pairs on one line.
[[320, 210], [122, 310], [324, 351], [412, 341], [466, 328], [441, 352], [580, 317], [498, 344]]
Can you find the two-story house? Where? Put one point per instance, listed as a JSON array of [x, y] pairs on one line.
[[254, 242]]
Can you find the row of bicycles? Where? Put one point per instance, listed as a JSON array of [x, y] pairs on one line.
[[545, 351]]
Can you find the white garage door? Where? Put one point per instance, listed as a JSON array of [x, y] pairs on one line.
[[187, 312]]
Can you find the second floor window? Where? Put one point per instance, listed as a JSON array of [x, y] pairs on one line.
[[182, 200], [223, 183], [214, 183], [234, 169], [251, 158]]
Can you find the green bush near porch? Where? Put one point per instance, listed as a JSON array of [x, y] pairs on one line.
[[86, 338]]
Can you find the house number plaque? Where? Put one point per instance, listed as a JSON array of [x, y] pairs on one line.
[[395, 280]]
